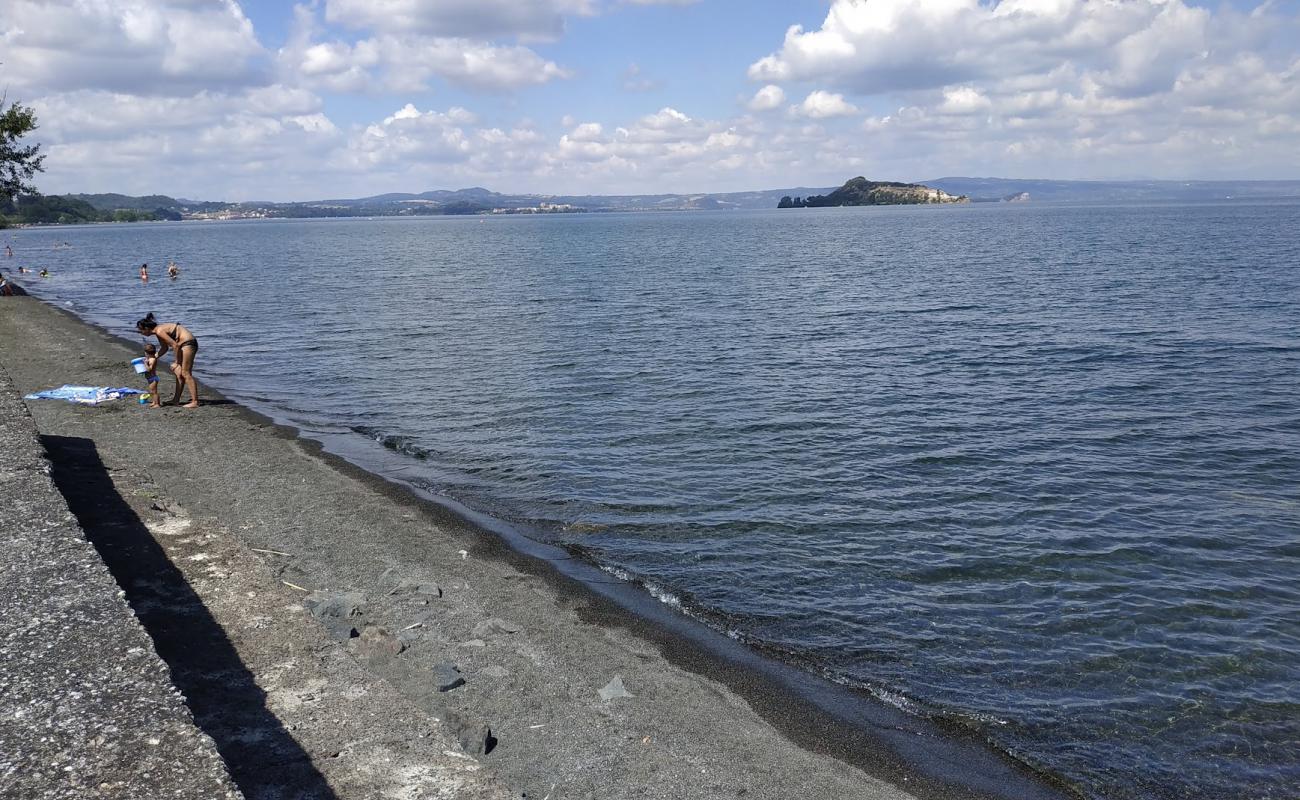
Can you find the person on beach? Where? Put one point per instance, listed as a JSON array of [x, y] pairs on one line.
[[175, 336], [5, 289], [144, 272], [151, 375]]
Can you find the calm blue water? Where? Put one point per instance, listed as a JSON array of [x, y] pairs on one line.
[[1032, 468]]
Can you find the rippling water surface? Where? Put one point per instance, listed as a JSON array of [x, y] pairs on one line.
[[1032, 468]]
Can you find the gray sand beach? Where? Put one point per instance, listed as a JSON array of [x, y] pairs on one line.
[[356, 640]]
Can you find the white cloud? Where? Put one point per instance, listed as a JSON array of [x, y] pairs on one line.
[[822, 105], [963, 100], [405, 61], [767, 98], [889, 45], [166, 47]]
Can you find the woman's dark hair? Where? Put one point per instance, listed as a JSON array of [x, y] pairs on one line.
[[146, 324]]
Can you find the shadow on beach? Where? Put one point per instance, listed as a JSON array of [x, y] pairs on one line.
[[263, 759]]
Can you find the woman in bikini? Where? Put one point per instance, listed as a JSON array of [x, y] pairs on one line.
[[175, 336]]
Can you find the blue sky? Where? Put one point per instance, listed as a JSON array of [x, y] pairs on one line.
[[280, 100]]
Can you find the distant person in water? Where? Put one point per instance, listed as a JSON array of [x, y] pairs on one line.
[[144, 272], [45, 273], [9, 252], [151, 375], [175, 336], [172, 269]]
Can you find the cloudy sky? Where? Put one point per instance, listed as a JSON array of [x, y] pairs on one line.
[[263, 99]]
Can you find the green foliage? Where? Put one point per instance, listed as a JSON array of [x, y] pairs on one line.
[[68, 210], [18, 163], [113, 201]]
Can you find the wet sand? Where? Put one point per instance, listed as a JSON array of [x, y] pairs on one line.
[[253, 521]]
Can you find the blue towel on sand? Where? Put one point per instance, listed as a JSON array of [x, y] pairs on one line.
[[86, 395]]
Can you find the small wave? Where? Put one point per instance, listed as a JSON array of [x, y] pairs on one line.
[[400, 444], [656, 591]]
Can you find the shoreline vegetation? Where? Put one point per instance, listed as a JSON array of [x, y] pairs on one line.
[[35, 209], [525, 674]]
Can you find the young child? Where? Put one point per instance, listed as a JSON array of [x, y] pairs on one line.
[[151, 375]]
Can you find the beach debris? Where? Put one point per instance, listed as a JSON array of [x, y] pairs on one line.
[[295, 586], [339, 612], [272, 552], [474, 643], [464, 554], [376, 642], [495, 627], [475, 737], [615, 690], [447, 676]]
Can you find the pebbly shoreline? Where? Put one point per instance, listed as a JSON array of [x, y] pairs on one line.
[[389, 647]]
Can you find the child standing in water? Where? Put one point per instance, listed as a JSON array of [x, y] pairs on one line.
[[151, 375]]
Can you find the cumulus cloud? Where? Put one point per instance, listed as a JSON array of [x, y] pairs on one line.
[[885, 45], [406, 61], [265, 140], [767, 98], [822, 105], [167, 47]]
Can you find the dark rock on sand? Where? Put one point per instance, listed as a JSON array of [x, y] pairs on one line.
[[447, 677], [475, 737], [340, 612]]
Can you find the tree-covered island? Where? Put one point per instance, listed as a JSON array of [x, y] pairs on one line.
[[862, 192]]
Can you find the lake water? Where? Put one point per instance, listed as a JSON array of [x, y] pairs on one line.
[[1031, 468]]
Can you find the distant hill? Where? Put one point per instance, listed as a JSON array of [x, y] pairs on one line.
[[991, 189], [861, 192]]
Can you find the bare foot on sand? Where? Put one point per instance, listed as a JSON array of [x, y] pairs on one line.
[[192, 404]]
